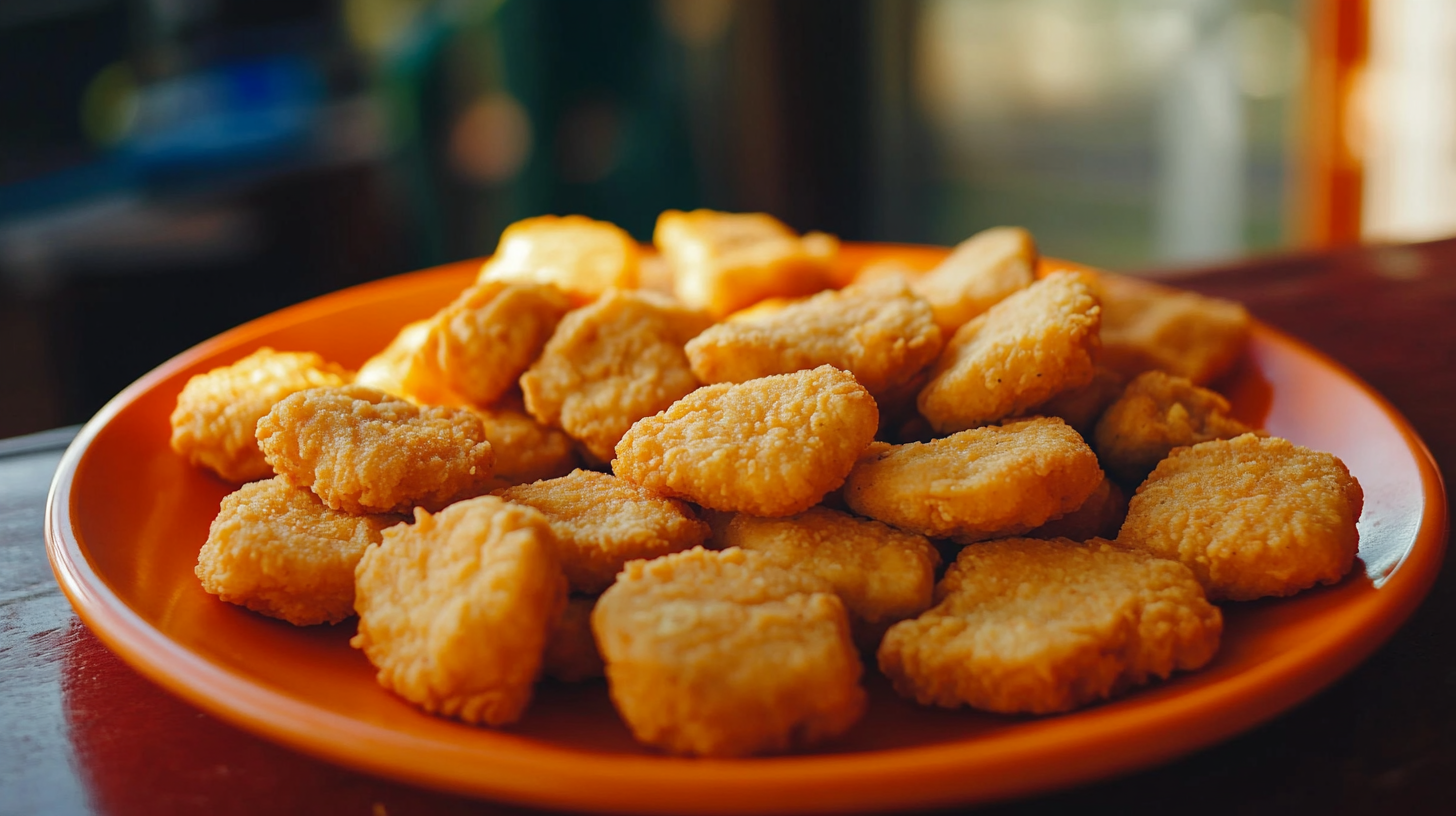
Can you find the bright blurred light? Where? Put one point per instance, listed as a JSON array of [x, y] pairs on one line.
[[491, 139]]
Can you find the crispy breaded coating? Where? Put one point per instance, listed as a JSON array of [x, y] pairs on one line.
[[1026, 349], [278, 550], [1100, 516], [574, 253], [218, 412], [491, 333], [525, 450], [768, 447], [1251, 516], [1156, 413], [883, 575], [978, 484], [455, 610], [982, 271], [602, 522], [1082, 407], [571, 648], [405, 370], [1037, 627], [880, 332], [722, 262], [1147, 326], [722, 654], [610, 364], [364, 451]]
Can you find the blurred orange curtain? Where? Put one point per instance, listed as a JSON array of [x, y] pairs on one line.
[[1329, 186]]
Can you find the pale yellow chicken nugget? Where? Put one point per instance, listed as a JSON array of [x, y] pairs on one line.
[[610, 364], [879, 331], [455, 609], [602, 522], [276, 549], [1156, 413], [571, 648], [983, 483], [1036, 627], [1147, 326], [485, 339], [574, 253], [722, 262], [364, 451], [217, 413], [1251, 516], [883, 575], [982, 271], [1026, 349], [722, 654], [405, 370], [525, 450], [768, 447]]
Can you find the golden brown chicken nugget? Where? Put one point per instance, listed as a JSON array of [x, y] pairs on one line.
[[574, 253], [1026, 349], [1100, 516], [768, 447], [406, 371], [571, 648], [1156, 413], [602, 522], [364, 451], [610, 364], [1037, 627], [1251, 516], [977, 484], [217, 413], [722, 262], [489, 335], [982, 271], [1082, 407], [455, 609], [880, 332], [525, 450], [276, 549], [1147, 326], [722, 654], [882, 574]]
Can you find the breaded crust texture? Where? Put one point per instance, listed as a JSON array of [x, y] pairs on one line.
[[1148, 326], [218, 412], [525, 450], [721, 654], [454, 610], [490, 334], [982, 271], [1024, 350], [574, 253], [278, 550], [977, 484], [364, 451], [1037, 627], [768, 447], [1155, 414], [877, 331], [610, 364], [602, 522], [1251, 516]]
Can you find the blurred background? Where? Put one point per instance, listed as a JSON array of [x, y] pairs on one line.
[[171, 168]]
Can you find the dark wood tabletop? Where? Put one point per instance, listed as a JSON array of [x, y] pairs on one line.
[[80, 732]]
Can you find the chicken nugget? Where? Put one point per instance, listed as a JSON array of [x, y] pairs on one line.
[[610, 364], [1100, 516], [1026, 349], [722, 654], [602, 522], [1147, 326], [978, 484], [485, 339], [455, 610], [364, 451], [1251, 516], [880, 332], [276, 549], [1081, 407], [768, 447], [882, 575], [218, 412], [571, 648], [574, 253], [1023, 626], [722, 262], [525, 450], [1156, 413], [982, 271], [406, 370]]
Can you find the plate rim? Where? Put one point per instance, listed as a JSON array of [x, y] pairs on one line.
[[914, 777]]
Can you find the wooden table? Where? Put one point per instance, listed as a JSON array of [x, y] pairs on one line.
[[80, 732]]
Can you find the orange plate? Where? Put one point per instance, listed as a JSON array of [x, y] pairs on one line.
[[126, 518]]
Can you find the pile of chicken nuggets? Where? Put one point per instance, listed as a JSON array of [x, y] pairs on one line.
[[729, 474]]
